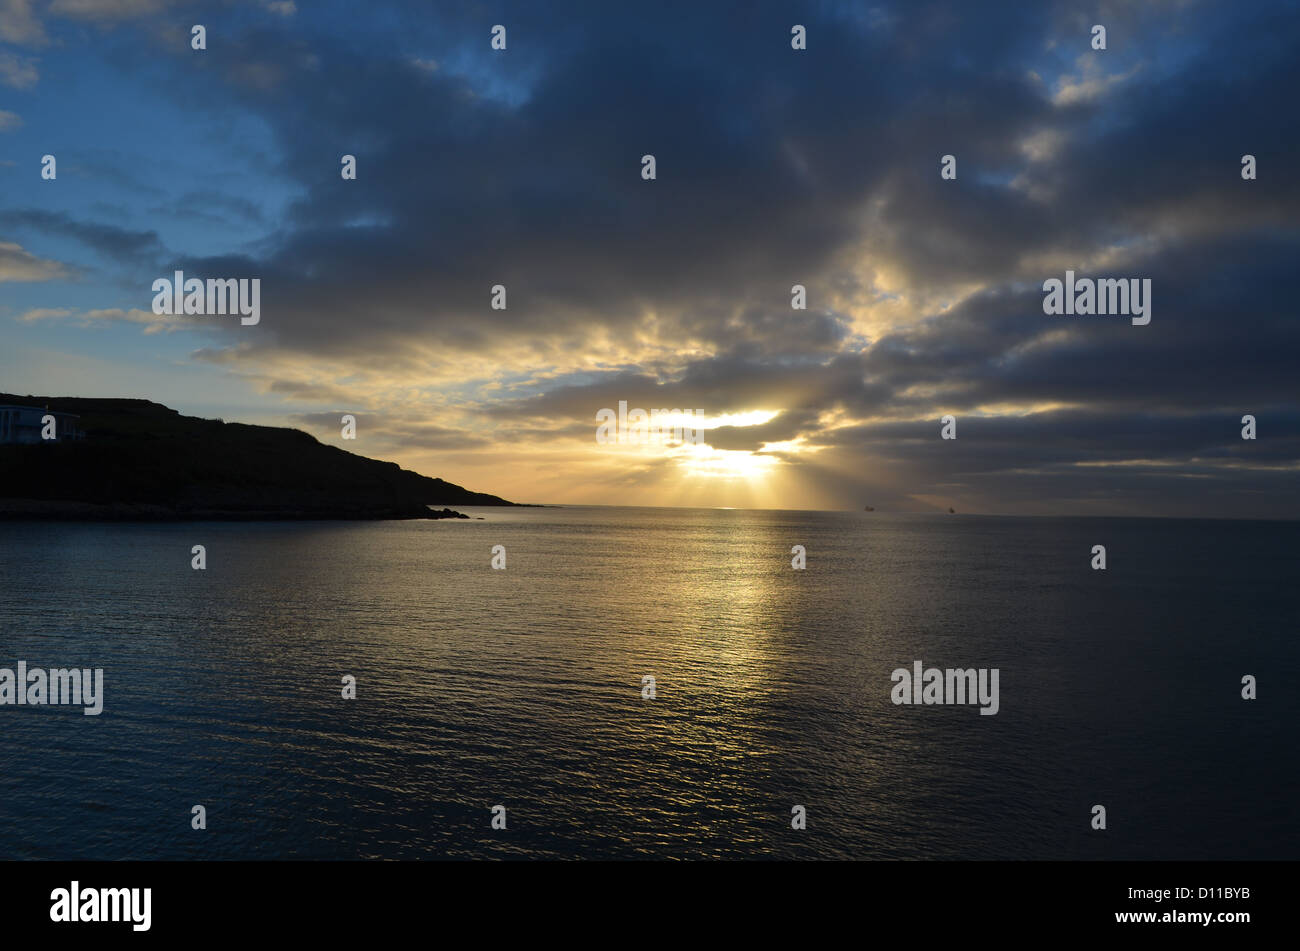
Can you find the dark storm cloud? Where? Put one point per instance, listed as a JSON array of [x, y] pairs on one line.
[[764, 161], [1223, 334]]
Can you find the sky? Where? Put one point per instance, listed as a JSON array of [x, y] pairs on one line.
[[774, 166]]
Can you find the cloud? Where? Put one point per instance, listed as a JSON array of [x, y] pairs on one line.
[[44, 313], [1090, 85], [17, 264], [109, 315], [17, 72], [108, 9], [119, 244], [18, 24], [386, 433]]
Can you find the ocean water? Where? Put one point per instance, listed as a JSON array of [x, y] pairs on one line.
[[523, 688]]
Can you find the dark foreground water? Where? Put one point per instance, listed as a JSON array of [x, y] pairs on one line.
[[522, 687]]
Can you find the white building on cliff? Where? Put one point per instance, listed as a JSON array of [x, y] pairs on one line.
[[22, 424]]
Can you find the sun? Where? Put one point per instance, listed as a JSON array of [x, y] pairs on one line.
[[706, 462]]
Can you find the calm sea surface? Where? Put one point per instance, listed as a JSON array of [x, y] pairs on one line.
[[523, 687]]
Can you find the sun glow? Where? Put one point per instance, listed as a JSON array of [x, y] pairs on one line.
[[710, 463], [753, 417], [683, 437], [704, 461]]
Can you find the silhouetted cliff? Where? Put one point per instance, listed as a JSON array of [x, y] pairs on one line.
[[143, 460]]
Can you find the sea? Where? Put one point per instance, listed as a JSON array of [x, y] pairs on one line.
[[508, 712]]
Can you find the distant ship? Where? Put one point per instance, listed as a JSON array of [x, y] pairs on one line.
[[867, 508], [951, 512]]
